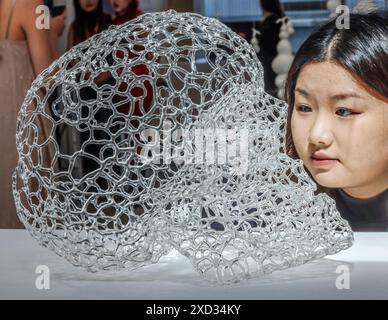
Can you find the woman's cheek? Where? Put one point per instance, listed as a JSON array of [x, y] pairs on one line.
[[299, 137]]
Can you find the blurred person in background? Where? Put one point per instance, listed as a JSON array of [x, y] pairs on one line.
[[268, 41], [90, 19], [25, 51], [125, 10]]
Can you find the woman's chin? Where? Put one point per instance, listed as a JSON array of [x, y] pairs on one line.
[[328, 180]]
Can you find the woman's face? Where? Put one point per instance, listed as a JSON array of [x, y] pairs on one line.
[[340, 131], [88, 5], [120, 6]]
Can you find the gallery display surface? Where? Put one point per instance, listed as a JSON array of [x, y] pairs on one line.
[[360, 272]]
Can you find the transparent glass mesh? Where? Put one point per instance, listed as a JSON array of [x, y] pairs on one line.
[[112, 174], [247, 217]]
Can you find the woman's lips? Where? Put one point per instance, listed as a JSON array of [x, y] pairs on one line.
[[323, 162]]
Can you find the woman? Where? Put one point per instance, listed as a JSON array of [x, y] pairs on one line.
[[337, 91], [268, 41], [125, 10], [25, 51], [89, 20]]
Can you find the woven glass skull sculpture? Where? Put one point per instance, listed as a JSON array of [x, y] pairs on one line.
[[247, 209], [107, 180], [81, 132]]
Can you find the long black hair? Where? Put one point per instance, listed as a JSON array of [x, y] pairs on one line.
[[88, 21], [362, 50], [272, 6]]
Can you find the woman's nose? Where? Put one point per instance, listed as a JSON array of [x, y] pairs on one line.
[[321, 132]]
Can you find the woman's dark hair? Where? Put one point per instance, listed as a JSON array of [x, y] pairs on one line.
[[272, 6], [89, 22], [362, 50]]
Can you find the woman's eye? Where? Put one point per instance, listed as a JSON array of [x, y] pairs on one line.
[[344, 112], [303, 108]]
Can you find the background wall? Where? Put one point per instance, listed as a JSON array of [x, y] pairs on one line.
[[240, 15], [245, 13]]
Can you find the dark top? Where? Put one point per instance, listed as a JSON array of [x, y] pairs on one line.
[[268, 41], [363, 214], [87, 28]]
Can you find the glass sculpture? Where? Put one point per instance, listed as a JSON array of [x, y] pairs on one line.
[[256, 212], [111, 171]]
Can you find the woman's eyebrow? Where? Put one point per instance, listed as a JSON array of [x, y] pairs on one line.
[[302, 92], [336, 97], [343, 96]]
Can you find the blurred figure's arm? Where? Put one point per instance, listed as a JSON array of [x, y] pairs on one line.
[[57, 26], [39, 43], [70, 37]]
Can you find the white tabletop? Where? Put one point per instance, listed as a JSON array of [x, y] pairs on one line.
[[174, 278]]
